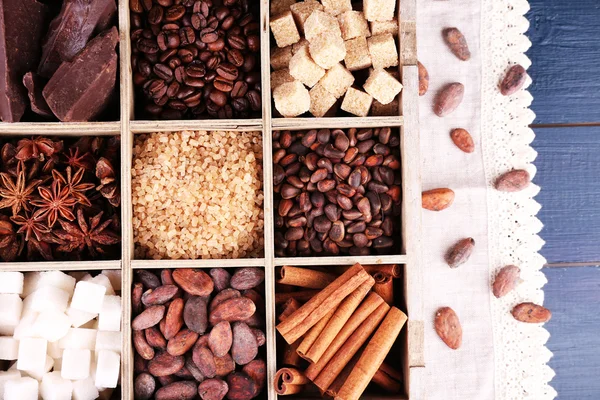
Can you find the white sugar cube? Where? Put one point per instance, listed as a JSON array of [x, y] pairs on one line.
[[32, 354], [114, 276], [110, 316], [54, 350], [38, 374], [7, 330], [107, 369], [88, 297], [79, 338], [11, 282], [85, 390], [104, 281], [78, 317], [25, 328], [11, 306], [49, 298], [93, 324], [58, 280], [30, 282], [55, 387], [57, 364], [86, 277], [27, 309], [108, 341], [75, 364], [52, 325], [6, 376], [9, 348], [21, 389]]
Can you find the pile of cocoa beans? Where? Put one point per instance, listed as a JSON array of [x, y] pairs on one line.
[[198, 333]]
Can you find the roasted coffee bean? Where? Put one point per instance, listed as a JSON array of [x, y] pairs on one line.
[[155, 15], [163, 72], [174, 13]]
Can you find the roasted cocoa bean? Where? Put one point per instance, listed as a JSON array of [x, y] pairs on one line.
[[247, 278], [164, 364], [195, 314], [220, 339]]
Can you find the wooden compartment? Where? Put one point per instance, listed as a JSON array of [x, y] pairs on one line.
[[411, 339]]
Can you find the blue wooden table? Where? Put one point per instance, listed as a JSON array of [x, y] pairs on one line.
[[566, 90]]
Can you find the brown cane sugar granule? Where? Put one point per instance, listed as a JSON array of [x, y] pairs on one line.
[[198, 195]]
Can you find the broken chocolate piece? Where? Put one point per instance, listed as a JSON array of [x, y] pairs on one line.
[[35, 84], [70, 31], [21, 30], [81, 89]]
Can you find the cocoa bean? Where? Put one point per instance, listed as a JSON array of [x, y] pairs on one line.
[[146, 278], [244, 348], [423, 79], [506, 280], [514, 80], [160, 295], [136, 298], [174, 318], [222, 296], [531, 313], [448, 327], [204, 360], [457, 43], [184, 390], [155, 338], [460, 252], [195, 314], [256, 298], [261, 339], [220, 339], [448, 99], [148, 318], [213, 389], [144, 386], [255, 321], [182, 342], [166, 277], [193, 368], [437, 199], [247, 278], [257, 371], [225, 365], [164, 364], [194, 281], [463, 140], [241, 386], [166, 380], [220, 277], [236, 309], [139, 364], [513, 181], [141, 345], [184, 374]]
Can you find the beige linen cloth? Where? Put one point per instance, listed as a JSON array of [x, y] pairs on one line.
[[500, 358]]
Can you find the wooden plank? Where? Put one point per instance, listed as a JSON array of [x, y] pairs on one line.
[[335, 122], [572, 294], [74, 129], [341, 260], [196, 125], [568, 167], [228, 263], [566, 60]]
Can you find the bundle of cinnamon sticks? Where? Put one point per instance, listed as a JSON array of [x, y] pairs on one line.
[[344, 330]]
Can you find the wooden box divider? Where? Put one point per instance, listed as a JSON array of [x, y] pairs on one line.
[[127, 127]]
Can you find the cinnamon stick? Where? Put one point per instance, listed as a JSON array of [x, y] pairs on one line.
[[349, 349], [386, 382], [289, 381], [316, 308], [371, 359], [304, 277], [394, 270], [392, 372], [371, 303], [291, 357], [339, 381], [384, 286], [301, 296], [313, 333], [288, 308], [337, 322]]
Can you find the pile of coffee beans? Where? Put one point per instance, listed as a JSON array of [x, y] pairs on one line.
[[336, 192], [196, 58]]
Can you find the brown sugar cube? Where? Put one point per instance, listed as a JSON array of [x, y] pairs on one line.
[[357, 102], [379, 10], [336, 7], [319, 23], [280, 6], [280, 77], [302, 10], [296, 47], [385, 110], [303, 68], [280, 57], [357, 54], [337, 80], [284, 29], [327, 50], [383, 51], [380, 27], [321, 100], [291, 99], [382, 86], [353, 24]]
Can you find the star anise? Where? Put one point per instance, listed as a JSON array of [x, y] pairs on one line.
[[94, 234], [37, 147], [77, 159], [17, 193], [73, 183], [10, 245], [8, 156], [30, 226], [108, 185], [54, 201]]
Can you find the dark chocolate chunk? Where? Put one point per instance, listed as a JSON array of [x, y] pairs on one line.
[[21, 30], [35, 84], [81, 89], [70, 31]]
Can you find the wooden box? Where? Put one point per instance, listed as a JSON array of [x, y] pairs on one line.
[[128, 126]]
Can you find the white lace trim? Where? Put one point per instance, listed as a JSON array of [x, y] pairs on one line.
[[521, 356]]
